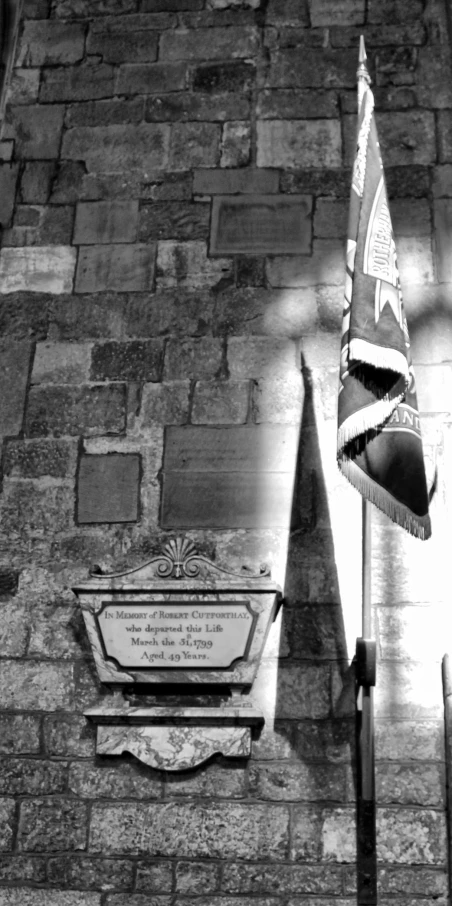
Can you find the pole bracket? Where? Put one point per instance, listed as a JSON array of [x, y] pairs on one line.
[[366, 662]]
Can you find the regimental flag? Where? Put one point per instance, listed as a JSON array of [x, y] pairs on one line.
[[379, 437]]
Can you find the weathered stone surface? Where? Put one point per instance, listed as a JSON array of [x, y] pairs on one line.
[[164, 404], [140, 46], [407, 137], [81, 9], [52, 825], [443, 234], [326, 835], [155, 876], [220, 403], [217, 44], [331, 69], [37, 131], [235, 143], [186, 264], [24, 86], [400, 10], [14, 369], [208, 781], [13, 630], [48, 269], [293, 104], [287, 143], [192, 830], [220, 78], [61, 363], [282, 879], [27, 896], [298, 782], [330, 12], [179, 106], [33, 509], [82, 873], [147, 78], [420, 784], [19, 734], [232, 182], [66, 735], [118, 148], [174, 220], [287, 684], [415, 880], [101, 113], [7, 807], [9, 580], [26, 776], [408, 740], [194, 876], [418, 690], [246, 311], [262, 357], [411, 835], [127, 781], [324, 266], [8, 182], [34, 459], [262, 224], [194, 145], [72, 411], [39, 225], [51, 42], [115, 267], [108, 488], [22, 868], [104, 222], [29, 686], [137, 360], [278, 400]]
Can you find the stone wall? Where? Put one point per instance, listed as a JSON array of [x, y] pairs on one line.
[[174, 184]]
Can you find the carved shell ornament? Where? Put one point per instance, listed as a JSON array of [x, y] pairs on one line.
[[180, 560]]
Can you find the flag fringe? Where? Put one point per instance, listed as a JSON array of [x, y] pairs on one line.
[[368, 419], [418, 526], [379, 357]]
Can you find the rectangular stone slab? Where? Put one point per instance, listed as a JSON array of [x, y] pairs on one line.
[[261, 225], [108, 488]]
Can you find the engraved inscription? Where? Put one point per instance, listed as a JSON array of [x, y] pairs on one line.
[[177, 634]]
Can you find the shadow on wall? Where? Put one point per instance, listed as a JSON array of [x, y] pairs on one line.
[[314, 706]]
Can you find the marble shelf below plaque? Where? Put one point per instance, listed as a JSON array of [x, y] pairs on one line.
[[175, 738]]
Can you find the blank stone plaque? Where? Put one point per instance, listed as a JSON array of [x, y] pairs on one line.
[[261, 225], [108, 486]]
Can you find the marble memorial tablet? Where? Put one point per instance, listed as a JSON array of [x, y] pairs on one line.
[[207, 634]]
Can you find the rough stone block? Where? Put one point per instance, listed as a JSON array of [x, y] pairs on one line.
[[52, 825], [411, 835], [61, 363], [148, 78], [326, 835], [121, 268], [23, 868], [415, 260], [81, 83], [324, 266], [9, 581], [287, 682], [34, 459], [292, 104], [37, 131], [108, 488], [184, 105], [49, 42], [155, 6], [262, 357], [408, 740], [191, 877], [81, 872], [216, 44], [235, 182], [15, 360], [44, 269], [20, 734], [400, 11], [103, 113], [137, 360], [84, 9], [30, 777], [257, 311], [290, 143], [8, 182], [164, 404], [195, 359], [31, 896], [220, 402], [69, 734], [221, 78], [186, 264], [118, 148], [120, 782], [140, 46], [298, 782], [331, 217], [235, 143], [105, 222], [331, 69], [422, 785], [13, 631], [208, 781], [263, 224], [39, 225], [281, 879], [24, 86], [190, 830], [76, 411], [410, 881], [407, 138], [36, 509], [174, 220], [418, 686], [7, 809], [29, 685], [194, 145], [155, 876], [330, 12], [443, 237]]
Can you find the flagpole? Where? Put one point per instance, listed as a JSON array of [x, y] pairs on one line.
[[365, 676]]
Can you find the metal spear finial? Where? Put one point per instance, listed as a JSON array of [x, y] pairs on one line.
[[362, 73]]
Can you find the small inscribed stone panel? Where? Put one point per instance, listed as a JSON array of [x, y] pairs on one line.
[[108, 488], [261, 225]]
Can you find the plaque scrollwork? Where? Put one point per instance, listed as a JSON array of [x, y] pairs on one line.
[[180, 560]]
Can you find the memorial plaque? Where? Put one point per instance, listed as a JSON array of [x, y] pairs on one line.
[[261, 225], [208, 634]]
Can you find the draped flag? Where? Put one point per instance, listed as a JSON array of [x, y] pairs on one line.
[[379, 437]]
